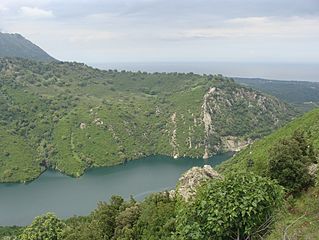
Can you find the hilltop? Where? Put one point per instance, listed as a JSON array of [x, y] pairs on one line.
[[15, 45]]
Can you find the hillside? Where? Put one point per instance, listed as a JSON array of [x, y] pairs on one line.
[[213, 199], [15, 45], [303, 95], [70, 117], [299, 218], [258, 152]]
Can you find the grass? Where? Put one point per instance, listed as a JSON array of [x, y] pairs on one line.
[[300, 220], [259, 151]]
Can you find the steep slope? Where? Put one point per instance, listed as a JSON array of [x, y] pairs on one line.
[[15, 45], [71, 117], [299, 218], [258, 152]]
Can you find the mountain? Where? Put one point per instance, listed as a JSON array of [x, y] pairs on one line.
[[303, 95], [70, 117], [15, 45]]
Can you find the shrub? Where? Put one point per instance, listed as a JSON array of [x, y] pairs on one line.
[[238, 207], [289, 162], [45, 227]]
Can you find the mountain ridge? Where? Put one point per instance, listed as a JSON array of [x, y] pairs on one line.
[[15, 45]]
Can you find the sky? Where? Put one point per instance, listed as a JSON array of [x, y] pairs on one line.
[[168, 30]]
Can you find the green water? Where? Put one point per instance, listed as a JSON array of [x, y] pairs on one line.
[[66, 196]]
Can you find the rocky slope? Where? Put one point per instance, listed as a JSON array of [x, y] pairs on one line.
[[70, 117], [189, 182]]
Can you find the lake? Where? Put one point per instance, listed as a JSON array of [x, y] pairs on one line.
[[66, 196]]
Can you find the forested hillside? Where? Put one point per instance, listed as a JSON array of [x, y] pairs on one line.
[[15, 45], [277, 156], [70, 117], [259, 152], [303, 95]]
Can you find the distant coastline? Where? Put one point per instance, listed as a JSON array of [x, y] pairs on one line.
[[272, 71]]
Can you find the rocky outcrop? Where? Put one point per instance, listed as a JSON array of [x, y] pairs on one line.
[[313, 169], [173, 138], [207, 120], [234, 144], [192, 179]]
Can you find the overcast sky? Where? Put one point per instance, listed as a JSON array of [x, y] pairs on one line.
[[168, 30]]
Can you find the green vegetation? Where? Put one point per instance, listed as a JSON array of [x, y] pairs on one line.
[[256, 157], [303, 95], [236, 206], [43, 227], [70, 117], [299, 220], [119, 219], [287, 155], [241, 206], [289, 163], [15, 45], [10, 232]]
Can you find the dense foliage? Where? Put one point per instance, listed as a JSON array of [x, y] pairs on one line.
[[303, 95], [292, 148], [10, 232], [256, 157], [151, 219], [289, 162], [70, 117], [239, 207], [46, 227]]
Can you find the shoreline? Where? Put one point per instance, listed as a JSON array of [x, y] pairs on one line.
[[110, 166]]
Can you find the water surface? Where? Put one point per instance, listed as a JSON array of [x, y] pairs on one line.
[[66, 196]]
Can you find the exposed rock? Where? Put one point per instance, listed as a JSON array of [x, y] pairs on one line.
[[234, 144], [194, 177], [313, 169], [173, 138], [82, 125], [98, 121], [207, 120]]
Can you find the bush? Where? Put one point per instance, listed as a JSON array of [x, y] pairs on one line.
[[238, 207], [45, 227], [289, 162], [157, 217]]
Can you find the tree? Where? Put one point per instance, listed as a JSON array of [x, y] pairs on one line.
[[103, 222], [157, 217], [237, 207], [289, 162], [45, 227]]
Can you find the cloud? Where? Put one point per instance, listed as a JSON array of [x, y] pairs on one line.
[[166, 29], [255, 27], [3, 8], [34, 12]]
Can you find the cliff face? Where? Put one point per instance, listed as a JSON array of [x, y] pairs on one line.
[[230, 118]]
